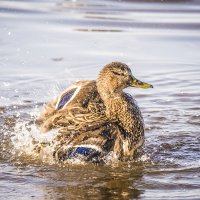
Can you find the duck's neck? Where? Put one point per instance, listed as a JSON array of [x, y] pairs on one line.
[[112, 98], [108, 89]]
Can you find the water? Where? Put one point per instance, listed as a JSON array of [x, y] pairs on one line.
[[48, 44]]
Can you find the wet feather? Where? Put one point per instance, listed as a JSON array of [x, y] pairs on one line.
[[97, 113]]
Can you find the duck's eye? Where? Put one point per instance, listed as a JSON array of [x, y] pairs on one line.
[[116, 73]]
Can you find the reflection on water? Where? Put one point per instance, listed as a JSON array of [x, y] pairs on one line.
[[46, 45], [100, 183]]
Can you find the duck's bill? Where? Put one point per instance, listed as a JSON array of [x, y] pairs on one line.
[[139, 84]]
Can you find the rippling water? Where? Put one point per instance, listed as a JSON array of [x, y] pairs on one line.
[[48, 44]]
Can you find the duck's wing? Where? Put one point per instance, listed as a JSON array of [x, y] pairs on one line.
[[66, 97], [78, 107], [86, 146], [59, 102]]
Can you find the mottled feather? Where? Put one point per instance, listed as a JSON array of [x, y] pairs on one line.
[[96, 113]]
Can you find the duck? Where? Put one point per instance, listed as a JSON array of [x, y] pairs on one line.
[[96, 118]]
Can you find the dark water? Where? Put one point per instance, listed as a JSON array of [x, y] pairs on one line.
[[46, 45]]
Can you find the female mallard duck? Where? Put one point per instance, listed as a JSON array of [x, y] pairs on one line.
[[95, 118]]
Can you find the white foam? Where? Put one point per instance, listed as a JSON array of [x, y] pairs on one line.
[[27, 137], [144, 158]]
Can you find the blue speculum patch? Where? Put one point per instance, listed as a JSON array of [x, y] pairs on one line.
[[84, 151], [65, 98]]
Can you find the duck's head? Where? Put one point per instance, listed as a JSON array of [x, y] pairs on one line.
[[115, 77]]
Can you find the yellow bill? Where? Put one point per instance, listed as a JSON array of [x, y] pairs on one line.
[[139, 84]]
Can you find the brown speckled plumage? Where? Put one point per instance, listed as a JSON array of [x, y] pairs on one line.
[[99, 114]]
